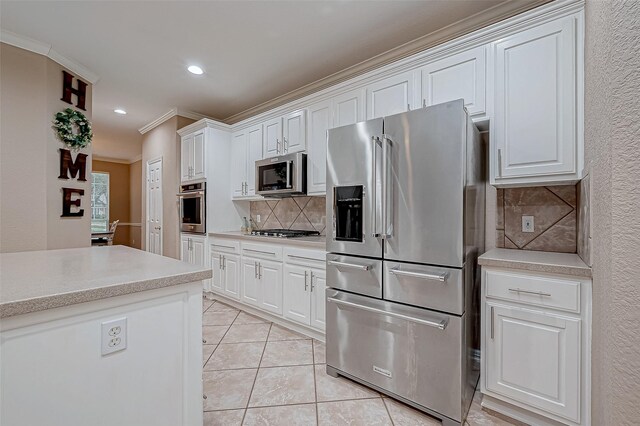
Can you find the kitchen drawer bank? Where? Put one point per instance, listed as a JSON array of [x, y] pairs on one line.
[[282, 280], [536, 336]]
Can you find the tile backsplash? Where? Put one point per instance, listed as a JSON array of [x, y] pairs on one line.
[[555, 218], [307, 213]]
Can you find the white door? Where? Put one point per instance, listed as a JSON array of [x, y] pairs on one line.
[[231, 268], [198, 251], [318, 281], [154, 206], [273, 137], [186, 154], [250, 290], [270, 278], [294, 132], [391, 95], [534, 358], [217, 281], [198, 159], [185, 249], [349, 108], [461, 76], [534, 128], [254, 136], [296, 290], [319, 123], [238, 164]]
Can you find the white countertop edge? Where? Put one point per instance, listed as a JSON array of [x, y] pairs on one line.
[[536, 261], [318, 242]]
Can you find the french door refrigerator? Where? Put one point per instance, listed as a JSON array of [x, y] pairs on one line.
[[405, 207]]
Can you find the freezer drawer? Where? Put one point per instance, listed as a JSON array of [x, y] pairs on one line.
[[355, 274], [411, 352], [430, 287]]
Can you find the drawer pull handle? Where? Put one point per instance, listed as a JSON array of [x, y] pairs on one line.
[[348, 265], [441, 325], [304, 258], [435, 277], [260, 251], [537, 293]]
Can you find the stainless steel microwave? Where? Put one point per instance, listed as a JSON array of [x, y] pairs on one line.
[[282, 176]]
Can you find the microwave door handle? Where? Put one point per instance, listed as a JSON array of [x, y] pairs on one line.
[[289, 163]]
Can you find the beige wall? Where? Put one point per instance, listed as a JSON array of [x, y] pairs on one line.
[[163, 142], [30, 192], [135, 204], [119, 196], [612, 139]]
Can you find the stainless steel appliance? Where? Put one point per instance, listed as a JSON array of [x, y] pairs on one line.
[[282, 176], [284, 233], [405, 203], [193, 208]]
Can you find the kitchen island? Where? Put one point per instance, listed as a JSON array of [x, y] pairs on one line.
[[101, 336]]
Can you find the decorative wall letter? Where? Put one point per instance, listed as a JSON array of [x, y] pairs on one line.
[[68, 90], [67, 202], [68, 166]]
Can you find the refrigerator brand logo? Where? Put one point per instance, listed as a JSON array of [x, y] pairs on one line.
[[382, 371]]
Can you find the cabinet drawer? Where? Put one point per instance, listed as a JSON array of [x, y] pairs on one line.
[[305, 257], [546, 291], [355, 274], [224, 245], [262, 251]]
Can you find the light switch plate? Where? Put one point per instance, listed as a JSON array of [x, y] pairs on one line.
[[528, 224], [114, 336]]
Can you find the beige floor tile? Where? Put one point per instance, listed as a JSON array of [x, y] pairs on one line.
[[239, 333], [206, 304], [223, 418], [207, 350], [281, 333], [219, 317], [289, 415], [282, 386], [287, 352], [212, 334], [479, 417], [219, 306], [319, 354], [364, 412], [236, 355], [245, 318], [226, 390], [403, 415], [337, 389]]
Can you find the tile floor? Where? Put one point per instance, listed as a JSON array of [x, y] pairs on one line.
[[258, 373]]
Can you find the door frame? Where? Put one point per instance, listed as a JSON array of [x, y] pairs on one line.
[[146, 227]]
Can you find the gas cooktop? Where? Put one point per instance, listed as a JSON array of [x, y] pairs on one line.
[[284, 233]]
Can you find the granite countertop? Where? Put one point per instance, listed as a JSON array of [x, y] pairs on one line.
[[38, 280], [536, 261], [318, 242]]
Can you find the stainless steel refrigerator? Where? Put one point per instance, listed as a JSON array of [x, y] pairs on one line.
[[405, 208]]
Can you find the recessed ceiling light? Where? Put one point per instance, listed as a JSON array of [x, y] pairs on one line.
[[194, 69], [120, 111]]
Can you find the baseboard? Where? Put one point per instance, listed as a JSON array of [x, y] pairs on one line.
[[517, 413]]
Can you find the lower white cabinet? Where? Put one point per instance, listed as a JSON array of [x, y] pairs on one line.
[[304, 299], [535, 344], [226, 274], [193, 249], [262, 284], [249, 292]]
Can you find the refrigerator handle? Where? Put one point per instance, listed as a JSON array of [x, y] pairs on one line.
[[374, 188], [386, 222]]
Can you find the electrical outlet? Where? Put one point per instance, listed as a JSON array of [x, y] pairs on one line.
[[527, 224], [114, 336], [258, 218]]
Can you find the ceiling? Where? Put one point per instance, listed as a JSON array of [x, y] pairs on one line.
[[251, 51]]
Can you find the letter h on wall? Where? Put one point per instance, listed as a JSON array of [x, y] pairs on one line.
[[68, 90]]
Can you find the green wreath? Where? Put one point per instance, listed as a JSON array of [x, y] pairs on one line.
[[64, 125]]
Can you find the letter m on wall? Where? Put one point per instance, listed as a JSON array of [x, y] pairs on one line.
[[68, 166]]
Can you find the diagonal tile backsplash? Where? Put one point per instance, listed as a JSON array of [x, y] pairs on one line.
[[307, 213], [555, 218]]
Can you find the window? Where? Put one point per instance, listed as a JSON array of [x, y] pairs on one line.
[[99, 202]]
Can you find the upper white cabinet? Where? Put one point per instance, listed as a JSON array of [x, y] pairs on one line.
[[294, 138], [192, 161], [391, 95], [272, 137], [349, 108], [535, 132], [460, 76], [319, 123], [246, 149]]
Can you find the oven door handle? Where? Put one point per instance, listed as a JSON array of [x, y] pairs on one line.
[[289, 167], [190, 194], [441, 325]]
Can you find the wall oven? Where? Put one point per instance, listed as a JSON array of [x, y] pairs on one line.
[[282, 176], [193, 208]]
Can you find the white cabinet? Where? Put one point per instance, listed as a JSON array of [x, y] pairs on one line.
[[348, 108], [250, 290], [460, 76], [192, 157], [392, 95], [535, 133], [246, 149], [296, 294], [193, 249], [318, 280], [304, 287], [262, 284], [294, 137], [272, 137], [535, 345], [319, 123], [217, 279], [226, 274]]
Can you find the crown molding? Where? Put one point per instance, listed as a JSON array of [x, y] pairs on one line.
[[116, 160], [472, 23], [182, 113], [158, 121], [47, 50], [204, 123]]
